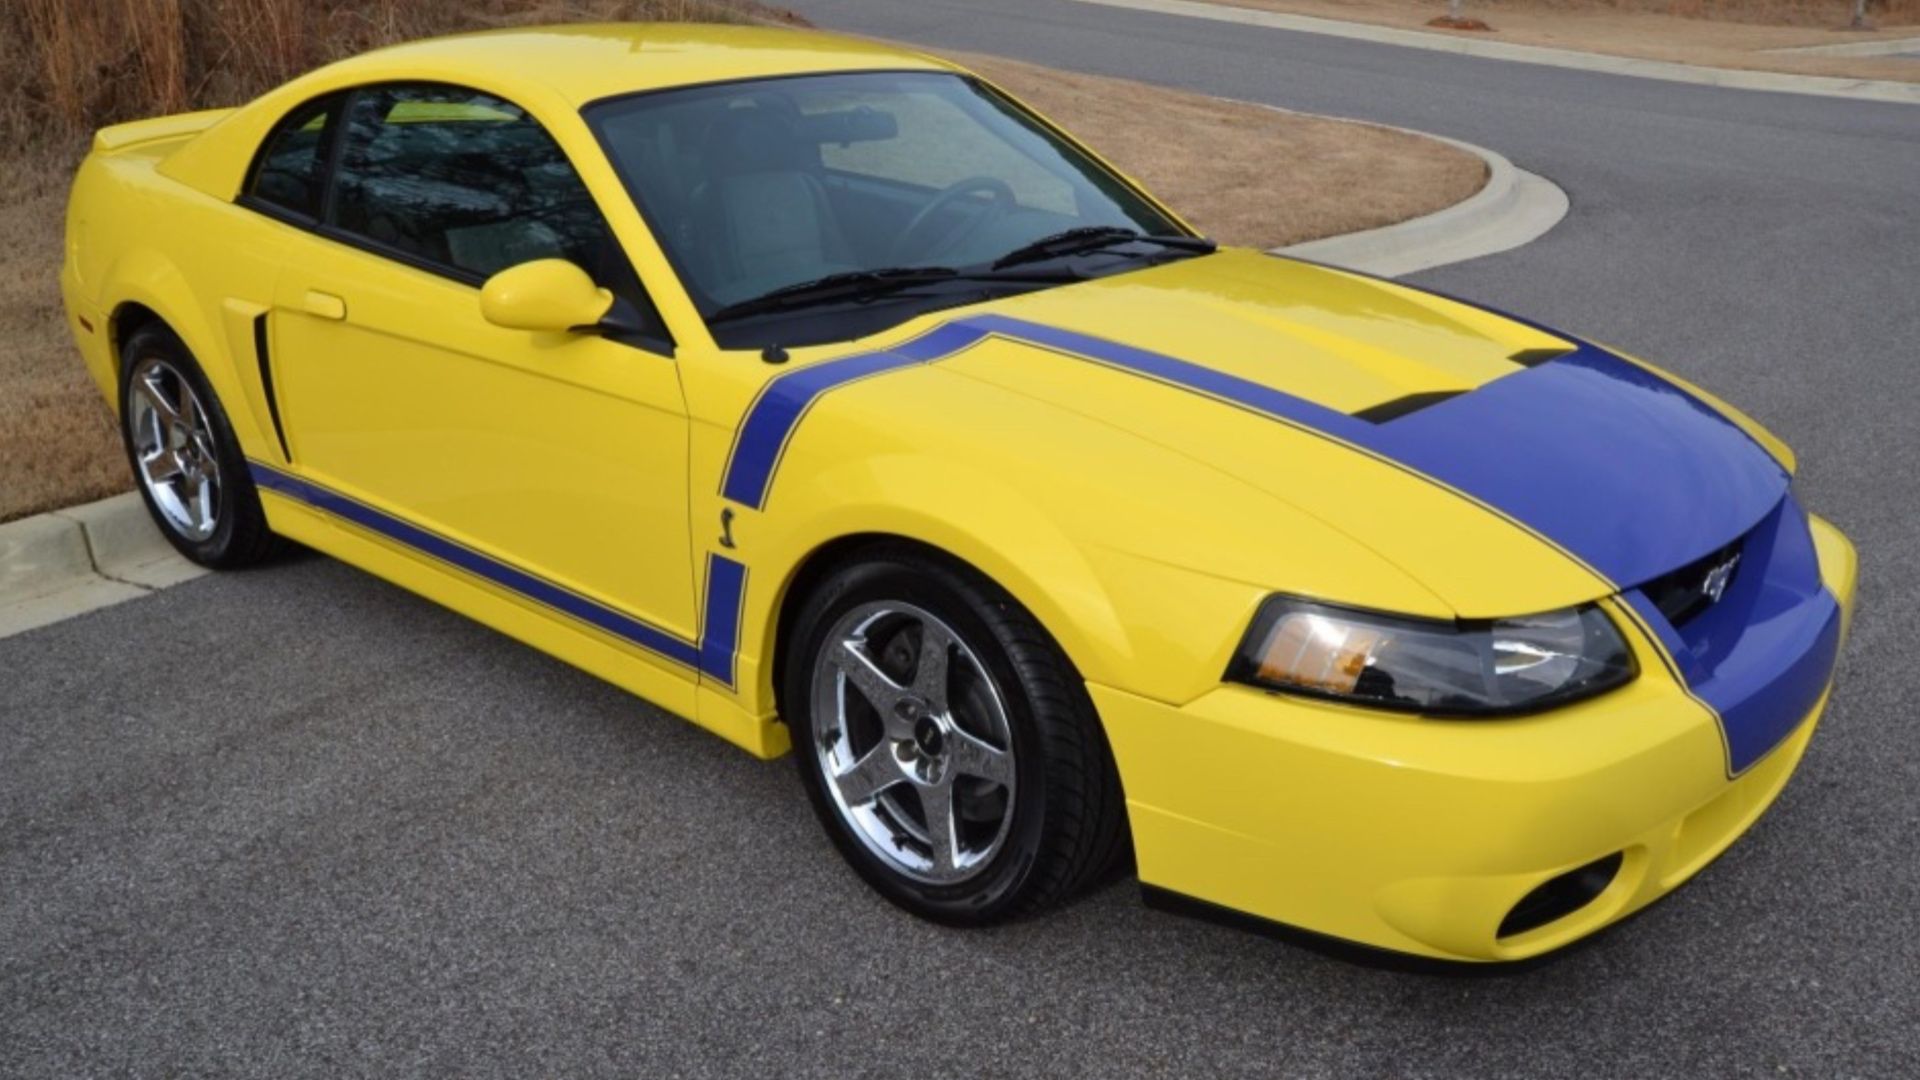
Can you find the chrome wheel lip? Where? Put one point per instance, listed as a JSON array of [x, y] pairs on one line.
[[924, 752], [173, 446]]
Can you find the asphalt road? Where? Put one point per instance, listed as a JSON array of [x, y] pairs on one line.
[[297, 822]]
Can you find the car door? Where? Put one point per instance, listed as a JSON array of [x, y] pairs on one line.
[[561, 458]]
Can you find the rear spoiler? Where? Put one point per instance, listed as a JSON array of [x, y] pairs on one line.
[[121, 136]]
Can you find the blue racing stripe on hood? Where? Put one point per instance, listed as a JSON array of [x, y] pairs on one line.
[[1618, 468], [1599, 455]]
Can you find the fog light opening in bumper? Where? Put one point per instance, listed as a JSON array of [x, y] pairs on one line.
[[1558, 897]]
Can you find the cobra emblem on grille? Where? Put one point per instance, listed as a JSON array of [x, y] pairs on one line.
[[1714, 585]]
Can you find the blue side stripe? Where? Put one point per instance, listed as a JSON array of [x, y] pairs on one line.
[[720, 628], [713, 655]]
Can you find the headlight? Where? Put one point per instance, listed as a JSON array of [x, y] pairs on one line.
[[1478, 668]]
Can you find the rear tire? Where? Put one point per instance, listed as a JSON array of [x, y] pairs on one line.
[[946, 743], [186, 461]]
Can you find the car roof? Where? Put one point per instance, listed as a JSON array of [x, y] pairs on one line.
[[587, 62], [576, 64]]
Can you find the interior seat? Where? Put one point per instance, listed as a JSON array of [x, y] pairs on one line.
[[762, 215]]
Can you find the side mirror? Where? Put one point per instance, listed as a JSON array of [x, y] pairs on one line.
[[546, 294]]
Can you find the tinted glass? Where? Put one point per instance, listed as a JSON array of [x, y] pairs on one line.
[[756, 185], [465, 181], [288, 172], [936, 142]]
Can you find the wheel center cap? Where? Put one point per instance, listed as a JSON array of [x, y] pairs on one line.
[[928, 737]]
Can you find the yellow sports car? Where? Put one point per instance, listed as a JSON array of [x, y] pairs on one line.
[[824, 395]]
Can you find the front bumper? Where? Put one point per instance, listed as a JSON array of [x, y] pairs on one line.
[[1421, 836]]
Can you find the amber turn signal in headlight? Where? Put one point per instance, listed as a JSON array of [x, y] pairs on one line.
[[1465, 668]]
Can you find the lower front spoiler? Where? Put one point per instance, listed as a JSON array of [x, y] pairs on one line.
[[1352, 952], [1711, 829]]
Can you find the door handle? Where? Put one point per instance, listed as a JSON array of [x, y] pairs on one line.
[[325, 305]]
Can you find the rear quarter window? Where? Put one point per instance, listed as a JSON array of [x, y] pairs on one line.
[[289, 173]]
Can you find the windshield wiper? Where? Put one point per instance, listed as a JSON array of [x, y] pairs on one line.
[[847, 285], [860, 286], [1094, 237]]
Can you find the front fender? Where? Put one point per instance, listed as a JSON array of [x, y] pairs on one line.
[[1124, 617], [1099, 533], [1003, 534]]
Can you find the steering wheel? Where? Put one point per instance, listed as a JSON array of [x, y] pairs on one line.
[[912, 241]]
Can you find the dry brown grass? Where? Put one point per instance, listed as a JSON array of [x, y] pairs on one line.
[[80, 64], [57, 443], [1244, 174], [1241, 173], [1711, 33]]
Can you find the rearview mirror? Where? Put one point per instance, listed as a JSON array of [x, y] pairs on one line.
[[545, 294], [862, 123]]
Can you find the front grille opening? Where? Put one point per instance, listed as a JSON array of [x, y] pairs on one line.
[[1556, 898], [1685, 592]]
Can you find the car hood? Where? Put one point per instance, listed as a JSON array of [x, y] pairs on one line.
[[1506, 467]]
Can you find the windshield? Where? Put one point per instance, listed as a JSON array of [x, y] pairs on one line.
[[773, 186]]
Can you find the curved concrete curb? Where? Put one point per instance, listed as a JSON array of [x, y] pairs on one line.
[[57, 565], [1732, 78], [1515, 207], [1890, 47]]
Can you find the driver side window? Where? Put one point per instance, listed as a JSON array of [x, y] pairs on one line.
[[466, 183]]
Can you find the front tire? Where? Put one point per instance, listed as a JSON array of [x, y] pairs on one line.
[[946, 744], [186, 460]]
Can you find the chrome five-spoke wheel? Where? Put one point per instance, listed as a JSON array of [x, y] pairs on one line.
[[914, 741], [173, 448], [944, 739], [186, 459]]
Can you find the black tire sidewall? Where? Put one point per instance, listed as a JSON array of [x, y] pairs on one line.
[[239, 501], [999, 888]]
